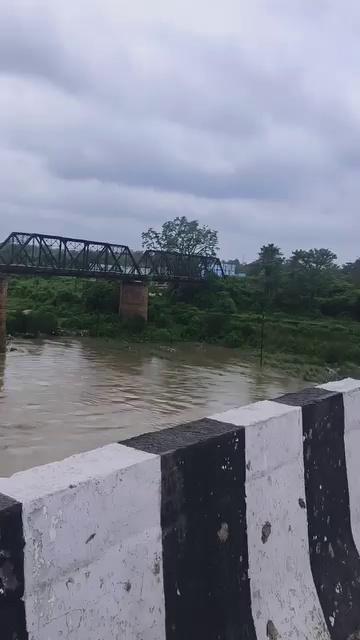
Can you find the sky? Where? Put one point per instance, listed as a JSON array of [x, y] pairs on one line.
[[243, 114]]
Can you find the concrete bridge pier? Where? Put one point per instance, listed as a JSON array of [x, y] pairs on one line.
[[134, 300], [3, 304]]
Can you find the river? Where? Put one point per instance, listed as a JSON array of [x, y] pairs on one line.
[[63, 396]]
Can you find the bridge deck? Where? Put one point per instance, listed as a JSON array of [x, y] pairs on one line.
[[38, 254]]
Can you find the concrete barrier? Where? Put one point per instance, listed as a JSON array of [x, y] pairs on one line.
[[242, 526]]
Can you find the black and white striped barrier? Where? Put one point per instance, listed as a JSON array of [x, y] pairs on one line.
[[243, 526]]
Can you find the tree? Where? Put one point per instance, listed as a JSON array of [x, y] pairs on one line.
[[312, 272], [270, 257], [317, 259], [268, 267], [182, 236]]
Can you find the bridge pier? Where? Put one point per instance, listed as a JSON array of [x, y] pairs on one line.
[[134, 300], [3, 304]]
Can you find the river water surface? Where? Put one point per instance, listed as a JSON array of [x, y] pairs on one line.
[[63, 396]]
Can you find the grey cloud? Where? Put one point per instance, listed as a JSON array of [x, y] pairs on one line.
[[119, 123], [30, 45]]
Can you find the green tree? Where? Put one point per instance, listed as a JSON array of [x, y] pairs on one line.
[[312, 274], [182, 236], [268, 267], [270, 253], [315, 259]]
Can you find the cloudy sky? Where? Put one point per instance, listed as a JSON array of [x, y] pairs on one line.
[[245, 114]]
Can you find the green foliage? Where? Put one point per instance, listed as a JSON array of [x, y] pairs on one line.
[[182, 236], [15, 322], [313, 260], [215, 325], [233, 340], [135, 325], [312, 309], [161, 335], [101, 296], [40, 321]]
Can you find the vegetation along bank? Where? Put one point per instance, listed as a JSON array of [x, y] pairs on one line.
[[301, 310]]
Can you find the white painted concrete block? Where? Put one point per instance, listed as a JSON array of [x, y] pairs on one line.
[[282, 587], [93, 558], [255, 413], [351, 394]]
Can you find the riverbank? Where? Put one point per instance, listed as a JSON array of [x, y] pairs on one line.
[[315, 348]]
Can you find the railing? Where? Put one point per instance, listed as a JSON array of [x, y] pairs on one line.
[[173, 266], [24, 253]]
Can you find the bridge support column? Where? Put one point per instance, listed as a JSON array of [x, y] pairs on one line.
[[134, 300], [3, 304]]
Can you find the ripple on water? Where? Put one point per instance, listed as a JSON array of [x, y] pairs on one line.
[[61, 396]]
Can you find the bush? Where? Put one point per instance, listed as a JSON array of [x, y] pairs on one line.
[[233, 340], [160, 335], [67, 297], [354, 355], [334, 353], [162, 321], [16, 322], [225, 303], [215, 325], [34, 322], [101, 296], [135, 325], [158, 310], [41, 321], [193, 330]]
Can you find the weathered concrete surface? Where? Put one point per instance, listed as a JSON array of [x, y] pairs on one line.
[[283, 595], [351, 394], [243, 525], [93, 555], [134, 300], [3, 305], [334, 557]]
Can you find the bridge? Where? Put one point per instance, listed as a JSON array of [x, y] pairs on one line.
[[41, 255], [38, 254]]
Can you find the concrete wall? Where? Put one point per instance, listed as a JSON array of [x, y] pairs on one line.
[[242, 526]]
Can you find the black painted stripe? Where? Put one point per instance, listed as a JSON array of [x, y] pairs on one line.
[[335, 561], [203, 517], [12, 611]]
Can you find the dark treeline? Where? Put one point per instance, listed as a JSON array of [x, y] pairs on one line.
[[310, 282]]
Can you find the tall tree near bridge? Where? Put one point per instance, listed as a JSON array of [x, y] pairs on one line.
[[182, 236]]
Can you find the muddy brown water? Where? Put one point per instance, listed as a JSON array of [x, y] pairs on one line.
[[64, 396]]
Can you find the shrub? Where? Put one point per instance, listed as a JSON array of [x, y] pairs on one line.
[[233, 340], [136, 324], [225, 303], [41, 321], [160, 335], [34, 322], [334, 353], [101, 296], [193, 330], [214, 325], [16, 322], [67, 297], [249, 331]]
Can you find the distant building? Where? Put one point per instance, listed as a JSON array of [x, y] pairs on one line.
[[231, 268]]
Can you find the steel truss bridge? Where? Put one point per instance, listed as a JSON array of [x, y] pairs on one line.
[[37, 254]]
